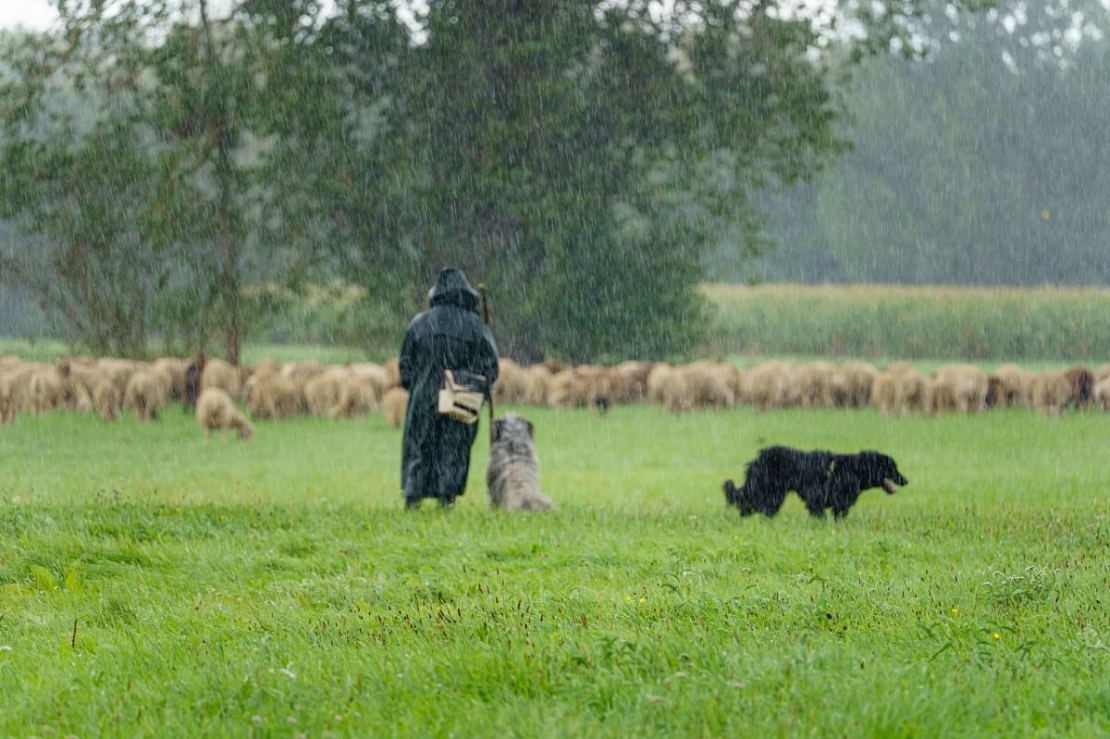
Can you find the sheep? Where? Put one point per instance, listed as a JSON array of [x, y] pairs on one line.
[[302, 372], [657, 381], [814, 382], [1101, 395], [566, 390], [712, 384], [393, 368], [223, 375], [851, 383], [1050, 393], [901, 389], [145, 395], [7, 401], [171, 371], [511, 384], [107, 400], [358, 396], [216, 411], [1082, 382], [770, 385], [46, 391], [274, 396], [632, 381], [959, 387], [1015, 385], [537, 380], [321, 393], [396, 406], [375, 373]]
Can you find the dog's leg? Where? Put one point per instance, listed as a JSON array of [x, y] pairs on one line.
[[815, 501]]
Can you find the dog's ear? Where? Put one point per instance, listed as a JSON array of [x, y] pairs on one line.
[[497, 429], [531, 429]]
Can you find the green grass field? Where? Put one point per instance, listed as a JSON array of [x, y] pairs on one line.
[[276, 588]]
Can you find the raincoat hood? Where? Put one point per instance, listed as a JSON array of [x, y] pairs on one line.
[[452, 288]]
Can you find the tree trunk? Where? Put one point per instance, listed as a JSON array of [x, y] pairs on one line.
[[229, 278]]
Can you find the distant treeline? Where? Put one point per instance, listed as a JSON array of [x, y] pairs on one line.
[[912, 322]]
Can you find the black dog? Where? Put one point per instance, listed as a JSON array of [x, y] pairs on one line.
[[822, 479]]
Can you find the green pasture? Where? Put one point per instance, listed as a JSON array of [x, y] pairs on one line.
[[155, 585]]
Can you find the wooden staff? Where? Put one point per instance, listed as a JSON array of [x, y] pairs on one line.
[[485, 317]]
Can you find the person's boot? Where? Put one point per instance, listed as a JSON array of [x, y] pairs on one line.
[[411, 504]]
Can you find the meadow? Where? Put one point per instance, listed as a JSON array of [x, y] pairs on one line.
[[155, 585]]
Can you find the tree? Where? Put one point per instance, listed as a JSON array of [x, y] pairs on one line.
[[156, 195], [575, 156]]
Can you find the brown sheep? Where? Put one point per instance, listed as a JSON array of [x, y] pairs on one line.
[[1102, 394], [145, 395], [511, 385], [537, 380], [395, 405], [1050, 393], [994, 392], [901, 389], [1103, 372], [959, 387], [851, 384], [172, 372], [712, 384], [770, 385], [46, 391], [7, 401], [107, 400], [1082, 382], [1015, 385], [223, 375], [814, 382], [321, 393], [375, 373], [393, 369], [274, 396], [656, 382], [216, 411], [566, 390], [358, 396], [631, 382]]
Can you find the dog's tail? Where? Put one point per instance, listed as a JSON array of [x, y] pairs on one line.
[[732, 493]]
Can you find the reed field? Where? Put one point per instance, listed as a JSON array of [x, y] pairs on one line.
[[874, 321], [155, 585]]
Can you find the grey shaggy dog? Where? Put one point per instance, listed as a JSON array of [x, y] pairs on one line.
[[513, 475]]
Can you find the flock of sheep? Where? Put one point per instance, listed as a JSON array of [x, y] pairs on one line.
[[270, 390]]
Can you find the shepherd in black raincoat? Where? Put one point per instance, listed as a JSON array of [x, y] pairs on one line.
[[449, 336]]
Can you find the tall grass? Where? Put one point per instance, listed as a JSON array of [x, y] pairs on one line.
[[912, 322]]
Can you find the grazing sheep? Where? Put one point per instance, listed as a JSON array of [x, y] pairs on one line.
[[959, 387], [145, 395], [631, 381], [770, 385], [511, 384], [1103, 372], [678, 390], [395, 406], [566, 391], [172, 372], [321, 393], [393, 368], [7, 401], [46, 391], [537, 380], [20, 378], [274, 396], [814, 382], [216, 411], [302, 372], [1082, 382], [1050, 393], [118, 371], [223, 375], [358, 396], [1015, 385], [657, 381], [901, 389], [107, 400], [1101, 394], [994, 391], [712, 384], [375, 373], [851, 384]]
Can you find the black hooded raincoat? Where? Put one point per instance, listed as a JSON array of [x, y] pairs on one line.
[[449, 335]]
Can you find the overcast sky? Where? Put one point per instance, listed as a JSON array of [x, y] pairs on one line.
[[33, 13]]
